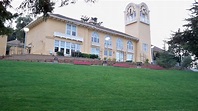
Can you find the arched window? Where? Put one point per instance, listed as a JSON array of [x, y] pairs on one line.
[[129, 46], [144, 14], [95, 37], [131, 14], [108, 42], [119, 44]]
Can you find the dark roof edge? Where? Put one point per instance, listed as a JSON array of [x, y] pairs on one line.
[[78, 22]]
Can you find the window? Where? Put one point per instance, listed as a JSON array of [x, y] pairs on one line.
[[107, 52], [56, 46], [95, 51], [67, 48], [131, 14], [119, 44], [145, 47], [95, 37], [129, 57], [62, 46], [71, 30], [144, 14], [129, 46], [108, 42]]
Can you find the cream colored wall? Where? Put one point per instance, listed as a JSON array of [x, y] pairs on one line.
[[3, 44], [43, 40], [142, 32]]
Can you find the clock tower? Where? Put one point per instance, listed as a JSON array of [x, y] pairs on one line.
[[137, 24]]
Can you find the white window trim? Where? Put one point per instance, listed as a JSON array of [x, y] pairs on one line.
[[71, 30]]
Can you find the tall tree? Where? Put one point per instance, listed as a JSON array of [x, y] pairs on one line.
[[5, 17], [35, 7], [21, 22], [186, 42]]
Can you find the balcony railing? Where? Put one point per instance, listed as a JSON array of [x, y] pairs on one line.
[[62, 35]]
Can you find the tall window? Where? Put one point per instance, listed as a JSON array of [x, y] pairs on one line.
[[95, 37], [56, 46], [95, 51], [119, 44], [144, 14], [68, 47], [62, 46], [108, 42], [131, 14], [129, 57], [71, 30], [145, 47], [129, 46]]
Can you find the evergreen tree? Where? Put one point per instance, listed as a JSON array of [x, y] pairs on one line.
[[186, 42]]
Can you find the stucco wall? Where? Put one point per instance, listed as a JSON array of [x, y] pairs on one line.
[[3, 44], [42, 39]]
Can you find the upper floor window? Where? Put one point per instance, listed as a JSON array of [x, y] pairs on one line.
[[71, 30], [144, 14], [119, 44], [108, 42], [131, 14], [95, 37], [129, 46], [145, 47]]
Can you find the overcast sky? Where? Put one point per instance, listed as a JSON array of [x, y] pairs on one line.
[[165, 15]]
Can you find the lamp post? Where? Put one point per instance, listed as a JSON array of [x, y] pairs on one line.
[[107, 39], [25, 30]]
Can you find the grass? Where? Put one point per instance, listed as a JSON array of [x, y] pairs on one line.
[[28, 86]]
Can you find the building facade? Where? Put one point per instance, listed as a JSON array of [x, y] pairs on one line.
[[62, 34], [3, 44]]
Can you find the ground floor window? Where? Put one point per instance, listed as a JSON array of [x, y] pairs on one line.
[[120, 56], [129, 57], [66, 47], [108, 52], [95, 51]]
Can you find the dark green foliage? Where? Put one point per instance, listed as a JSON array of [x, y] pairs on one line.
[[29, 86], [129, 61], [84, 55], [187, 41], [5, 16], [166, 60], [34, 7], [60, 53], [186, 62]]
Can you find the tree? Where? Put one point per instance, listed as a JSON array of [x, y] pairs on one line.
[[186, 42], [21, 22], [6, 17], [35, 7], [166, 60]]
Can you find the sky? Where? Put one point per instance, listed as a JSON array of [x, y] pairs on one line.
[[166, 16]]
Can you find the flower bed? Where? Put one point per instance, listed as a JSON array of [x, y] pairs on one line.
[[79, 62], [155, 67], [125, 65]]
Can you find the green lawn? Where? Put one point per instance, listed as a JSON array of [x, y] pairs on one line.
[[27, 86]]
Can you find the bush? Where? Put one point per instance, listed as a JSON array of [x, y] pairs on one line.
[[129, 61], [84, 55], [186, 62], [60, 53], [166, 60]]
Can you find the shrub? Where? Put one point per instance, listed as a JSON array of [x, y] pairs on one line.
[[166, 60], [60, 53], [186, 62], [129, 61]]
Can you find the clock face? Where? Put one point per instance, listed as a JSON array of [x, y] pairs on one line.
[[131, 14]]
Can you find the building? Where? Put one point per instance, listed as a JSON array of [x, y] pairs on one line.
[[15, 47], [3, 44], [60, 33]]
